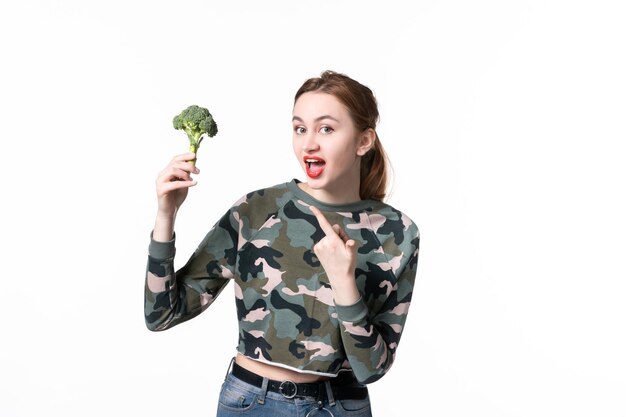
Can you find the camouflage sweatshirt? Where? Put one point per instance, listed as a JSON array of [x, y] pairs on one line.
[[287, 316]]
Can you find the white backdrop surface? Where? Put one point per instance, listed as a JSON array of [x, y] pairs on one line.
[[505, 125]]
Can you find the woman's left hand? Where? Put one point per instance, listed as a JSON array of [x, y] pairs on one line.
[[337, 254]]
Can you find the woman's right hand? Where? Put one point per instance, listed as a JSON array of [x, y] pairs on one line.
[[173, 182]]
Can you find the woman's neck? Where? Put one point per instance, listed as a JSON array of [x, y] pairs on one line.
[[329, 197]]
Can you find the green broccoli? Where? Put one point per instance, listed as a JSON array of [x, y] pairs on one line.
[[196, 122]]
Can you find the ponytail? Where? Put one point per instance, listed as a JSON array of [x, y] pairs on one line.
[[374, 173]]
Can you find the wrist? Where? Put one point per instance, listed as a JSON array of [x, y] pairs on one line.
[[345, 292], [166, 215], [164, 227]]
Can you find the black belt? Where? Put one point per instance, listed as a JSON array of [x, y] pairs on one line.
[[340, 385]]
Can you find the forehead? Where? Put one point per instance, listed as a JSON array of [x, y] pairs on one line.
[[314, 104]]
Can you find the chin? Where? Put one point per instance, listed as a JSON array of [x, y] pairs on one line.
[[316, 183]]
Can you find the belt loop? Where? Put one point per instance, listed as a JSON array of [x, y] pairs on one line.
[[329, 393], [230, 365], [261, 399]]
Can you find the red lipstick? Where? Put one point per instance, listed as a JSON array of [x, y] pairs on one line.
[[314, 166]]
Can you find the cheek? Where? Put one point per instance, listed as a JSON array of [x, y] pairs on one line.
[[348, 152]]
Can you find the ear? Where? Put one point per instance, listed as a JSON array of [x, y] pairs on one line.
[[367, 139]]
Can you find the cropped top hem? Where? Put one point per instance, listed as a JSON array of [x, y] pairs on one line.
[[298, 370]]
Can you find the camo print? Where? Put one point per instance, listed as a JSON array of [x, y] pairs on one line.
[[284, 301]]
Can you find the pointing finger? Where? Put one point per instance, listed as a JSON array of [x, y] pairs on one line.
[[326, 227], [340, 232]]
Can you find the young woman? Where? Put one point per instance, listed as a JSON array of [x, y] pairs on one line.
[[323, 270]]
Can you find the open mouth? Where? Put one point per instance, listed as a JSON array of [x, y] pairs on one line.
[[314, 166]]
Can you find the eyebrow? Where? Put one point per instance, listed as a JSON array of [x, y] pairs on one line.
[[326, 116]]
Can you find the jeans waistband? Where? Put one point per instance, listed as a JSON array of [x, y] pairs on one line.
[[344, 386]]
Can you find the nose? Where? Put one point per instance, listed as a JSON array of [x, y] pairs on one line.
[[309, 142]]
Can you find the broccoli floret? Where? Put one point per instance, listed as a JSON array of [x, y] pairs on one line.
[[196, 122]]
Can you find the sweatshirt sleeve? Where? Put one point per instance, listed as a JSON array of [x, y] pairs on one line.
[[371, 339], [172, 297]]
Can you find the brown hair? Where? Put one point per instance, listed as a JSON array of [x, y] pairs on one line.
[[363, 109]]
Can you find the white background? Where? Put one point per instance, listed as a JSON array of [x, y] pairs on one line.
[[504, 121]]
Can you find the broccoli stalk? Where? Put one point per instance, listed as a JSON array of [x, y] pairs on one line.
[[196, 122]]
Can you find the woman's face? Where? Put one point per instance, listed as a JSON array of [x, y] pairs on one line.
[[328, 146]]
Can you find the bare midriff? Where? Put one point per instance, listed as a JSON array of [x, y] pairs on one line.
[[275, 372]]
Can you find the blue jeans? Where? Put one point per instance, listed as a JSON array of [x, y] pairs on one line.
[[238, 398]]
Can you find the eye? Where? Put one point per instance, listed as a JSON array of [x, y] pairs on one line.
[[326, 130], [299, 130]]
